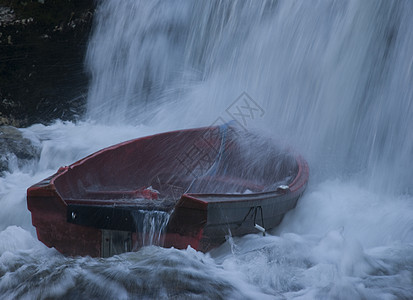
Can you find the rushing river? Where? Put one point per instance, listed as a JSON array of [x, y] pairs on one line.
[[333, 79]]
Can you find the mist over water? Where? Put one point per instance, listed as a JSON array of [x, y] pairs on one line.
[[332, 79]]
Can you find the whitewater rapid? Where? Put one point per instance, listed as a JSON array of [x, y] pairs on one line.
[[333, 79]]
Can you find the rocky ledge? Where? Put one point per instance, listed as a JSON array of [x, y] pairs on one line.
[[15, 149], [42, 48]]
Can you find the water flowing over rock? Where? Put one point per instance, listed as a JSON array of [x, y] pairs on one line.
[[15, 149]]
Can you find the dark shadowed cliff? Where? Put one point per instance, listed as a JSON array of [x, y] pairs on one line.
[[42, 46]]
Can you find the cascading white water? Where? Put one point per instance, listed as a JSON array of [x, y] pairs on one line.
[[333, 79], [151, 226]]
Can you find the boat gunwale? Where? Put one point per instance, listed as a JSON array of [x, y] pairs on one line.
[[297, 183]]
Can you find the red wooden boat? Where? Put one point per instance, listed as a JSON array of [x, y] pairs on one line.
[[189, 187]]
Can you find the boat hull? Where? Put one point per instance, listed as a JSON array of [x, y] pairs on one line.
[[77, 220]]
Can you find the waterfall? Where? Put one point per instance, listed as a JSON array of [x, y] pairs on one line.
[[333, 77], [146, 52]]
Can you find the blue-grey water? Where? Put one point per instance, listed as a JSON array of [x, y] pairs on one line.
[[332, 79]]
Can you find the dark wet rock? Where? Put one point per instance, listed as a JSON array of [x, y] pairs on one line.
[[14, 145], [42, 48], [7, 16]]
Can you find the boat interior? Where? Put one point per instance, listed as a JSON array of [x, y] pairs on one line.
[[160, 168]]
